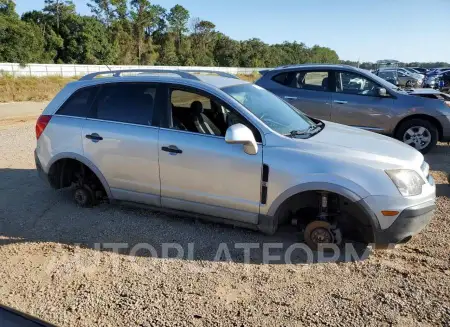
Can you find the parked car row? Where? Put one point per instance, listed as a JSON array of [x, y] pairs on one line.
[[220, 148], [358, 98], [437, 79], [413, 77], [401, 77]]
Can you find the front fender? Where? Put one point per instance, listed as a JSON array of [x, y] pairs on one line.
[[350, 190]]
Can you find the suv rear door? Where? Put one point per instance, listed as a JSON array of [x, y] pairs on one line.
[[307, 90], [121, 139], [356, 102]]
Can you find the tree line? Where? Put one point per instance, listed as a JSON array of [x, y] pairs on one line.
[[136, 32], [373, 65]]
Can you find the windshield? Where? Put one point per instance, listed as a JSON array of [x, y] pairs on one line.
[[381, 81], [412, 70], [271, 110]]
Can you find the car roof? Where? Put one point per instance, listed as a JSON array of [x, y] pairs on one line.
[[210, 80], [219, 81], [314, 66]]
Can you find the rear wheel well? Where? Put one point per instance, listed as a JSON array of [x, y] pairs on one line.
[[304, 207], [430, 119], [67, 172]]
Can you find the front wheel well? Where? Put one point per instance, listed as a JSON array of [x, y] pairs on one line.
[[430, 119], [67, 172], [304, 207]]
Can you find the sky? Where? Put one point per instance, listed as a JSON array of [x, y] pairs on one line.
[[405, 30]]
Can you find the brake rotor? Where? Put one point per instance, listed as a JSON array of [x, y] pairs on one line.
[[321, 232]]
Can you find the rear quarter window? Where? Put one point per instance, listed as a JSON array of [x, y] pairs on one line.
[[79, 103], [281, 78]]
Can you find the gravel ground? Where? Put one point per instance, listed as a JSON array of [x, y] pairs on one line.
[[52, 268]]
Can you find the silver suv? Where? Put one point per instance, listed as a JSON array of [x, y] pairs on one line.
[[356, 97], [220, 148]]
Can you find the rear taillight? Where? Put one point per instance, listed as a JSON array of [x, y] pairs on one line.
[[41, 124]]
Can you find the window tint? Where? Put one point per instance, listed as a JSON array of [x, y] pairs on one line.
[[315, 81], [184, 99], [78, 104], [281, 78], [197, 113], [127, 103], [352, 83]]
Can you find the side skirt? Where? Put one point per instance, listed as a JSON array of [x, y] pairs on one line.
[[265, 225]]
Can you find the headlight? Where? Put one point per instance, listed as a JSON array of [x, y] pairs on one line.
[[408, 182]]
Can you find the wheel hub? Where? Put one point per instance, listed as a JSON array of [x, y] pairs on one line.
[[80, 197], [321, 235], [417, 136]]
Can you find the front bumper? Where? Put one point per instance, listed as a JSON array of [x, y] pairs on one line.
[[409, 223], [414, 214]]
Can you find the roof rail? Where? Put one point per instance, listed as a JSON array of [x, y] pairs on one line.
[[222, 74], [117, 73]]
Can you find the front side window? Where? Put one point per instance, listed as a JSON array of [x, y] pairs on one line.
[[198, 113], [271, 110], [352, 83], [126, 102]]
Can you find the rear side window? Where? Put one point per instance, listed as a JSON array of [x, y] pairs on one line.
[[314, 81], [126, 102], [79, 103], [317, 81]]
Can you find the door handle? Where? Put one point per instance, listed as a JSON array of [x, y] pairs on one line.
[[290, 98], [94, 137], [172, 149], [340, 101]]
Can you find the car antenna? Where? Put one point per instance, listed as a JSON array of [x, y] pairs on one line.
[[108, 68]]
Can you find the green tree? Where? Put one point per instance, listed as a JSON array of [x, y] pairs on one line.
[[185, 55], [168, 54], [254, 53], [8, 8], [104, 10], [53, 42], [145, 16], [178, 18], [59, 8], [323, 55], [203, 42], [20, 41], [226, 51]]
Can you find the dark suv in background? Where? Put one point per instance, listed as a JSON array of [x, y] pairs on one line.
[[356, 97]]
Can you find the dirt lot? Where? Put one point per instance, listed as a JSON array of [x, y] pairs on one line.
[[52, 269]]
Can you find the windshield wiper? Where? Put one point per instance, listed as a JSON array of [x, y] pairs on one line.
[[310, 130]]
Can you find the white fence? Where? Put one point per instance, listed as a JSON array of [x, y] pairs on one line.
[[77, 70]]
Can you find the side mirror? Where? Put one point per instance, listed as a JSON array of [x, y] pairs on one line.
[[241, 134], [382, 92]]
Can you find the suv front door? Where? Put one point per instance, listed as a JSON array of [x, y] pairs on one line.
[[356, 103], [308, 91], [199, 171], [119, 139]]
